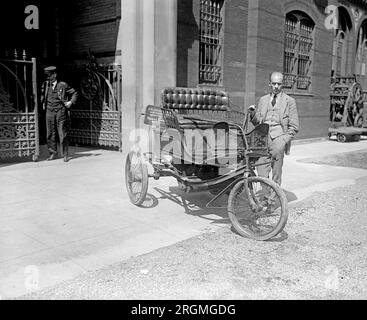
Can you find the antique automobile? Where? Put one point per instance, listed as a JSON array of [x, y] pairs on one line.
[[197, 139]]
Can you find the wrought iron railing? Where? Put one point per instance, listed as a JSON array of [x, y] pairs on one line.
[[19, 135], [96, 119]]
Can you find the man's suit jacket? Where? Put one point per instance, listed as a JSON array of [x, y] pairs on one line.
[[64, 92], [288, 116]]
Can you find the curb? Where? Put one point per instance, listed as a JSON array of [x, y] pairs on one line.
[[309, 140]]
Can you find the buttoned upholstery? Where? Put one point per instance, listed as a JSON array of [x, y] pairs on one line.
[[186, 99], [207, 104]]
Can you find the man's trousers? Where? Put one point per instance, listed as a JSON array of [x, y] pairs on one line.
[[57, 121], [276, 148]]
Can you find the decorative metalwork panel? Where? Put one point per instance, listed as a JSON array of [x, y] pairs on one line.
[[18, 135], [97, 118], [99, 128], [18, 108]]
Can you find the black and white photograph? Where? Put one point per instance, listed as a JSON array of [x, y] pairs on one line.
[[203, 152]]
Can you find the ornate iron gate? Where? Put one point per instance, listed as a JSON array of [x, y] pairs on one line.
[[18, 108], [97, 118]]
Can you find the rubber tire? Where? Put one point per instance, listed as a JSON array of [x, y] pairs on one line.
[[283, 203], [341, 137], [144, 183]]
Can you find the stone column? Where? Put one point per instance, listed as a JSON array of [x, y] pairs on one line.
[[165, 45], [127, 42], [147, 40]]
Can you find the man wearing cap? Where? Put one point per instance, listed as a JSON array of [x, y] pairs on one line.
[[56, 98]]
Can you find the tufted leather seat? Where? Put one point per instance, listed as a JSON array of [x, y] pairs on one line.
[[184, 99], [197, 102]]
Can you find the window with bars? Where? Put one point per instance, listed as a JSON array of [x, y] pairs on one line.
[[211, 42], [298, 46]]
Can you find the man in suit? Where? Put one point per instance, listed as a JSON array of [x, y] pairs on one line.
[[279, 111], [56, 98]]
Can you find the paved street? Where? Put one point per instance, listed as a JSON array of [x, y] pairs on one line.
[[59, 221], [321, 254]]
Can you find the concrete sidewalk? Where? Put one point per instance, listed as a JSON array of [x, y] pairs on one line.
[[58, 220]]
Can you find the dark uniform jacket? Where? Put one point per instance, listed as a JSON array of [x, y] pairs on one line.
[[64, 92]]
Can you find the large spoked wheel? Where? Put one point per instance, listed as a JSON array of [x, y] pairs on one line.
[[257, 208], [136, 177]]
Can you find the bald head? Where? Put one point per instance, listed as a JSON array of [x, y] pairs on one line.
[[276, 82], [276, 74]]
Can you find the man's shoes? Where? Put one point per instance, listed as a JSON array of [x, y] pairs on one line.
[[66, 159], [53, 156]]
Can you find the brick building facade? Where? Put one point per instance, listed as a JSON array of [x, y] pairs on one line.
[[254, 44], [232, 45]]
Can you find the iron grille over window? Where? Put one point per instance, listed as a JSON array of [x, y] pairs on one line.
[[211, 41], [299, 30]]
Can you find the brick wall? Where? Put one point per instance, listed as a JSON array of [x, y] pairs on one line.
[[235, 51], [93, 25], [313, 106]]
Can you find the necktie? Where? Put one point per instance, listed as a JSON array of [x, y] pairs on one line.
[[274, 101]]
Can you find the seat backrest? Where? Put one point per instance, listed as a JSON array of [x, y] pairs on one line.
[[183, 99]]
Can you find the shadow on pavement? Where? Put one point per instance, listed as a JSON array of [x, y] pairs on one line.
[[82, 155], [282, 236], [74, 153], [351, 159], [290, 195], [150, 202], [195, 204], [14, 161]]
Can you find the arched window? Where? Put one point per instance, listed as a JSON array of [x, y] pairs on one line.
[[298, 48], [340, 45], [361, 55]]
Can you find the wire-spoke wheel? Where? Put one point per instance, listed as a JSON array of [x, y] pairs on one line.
[[257, 208], [136, 177]]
